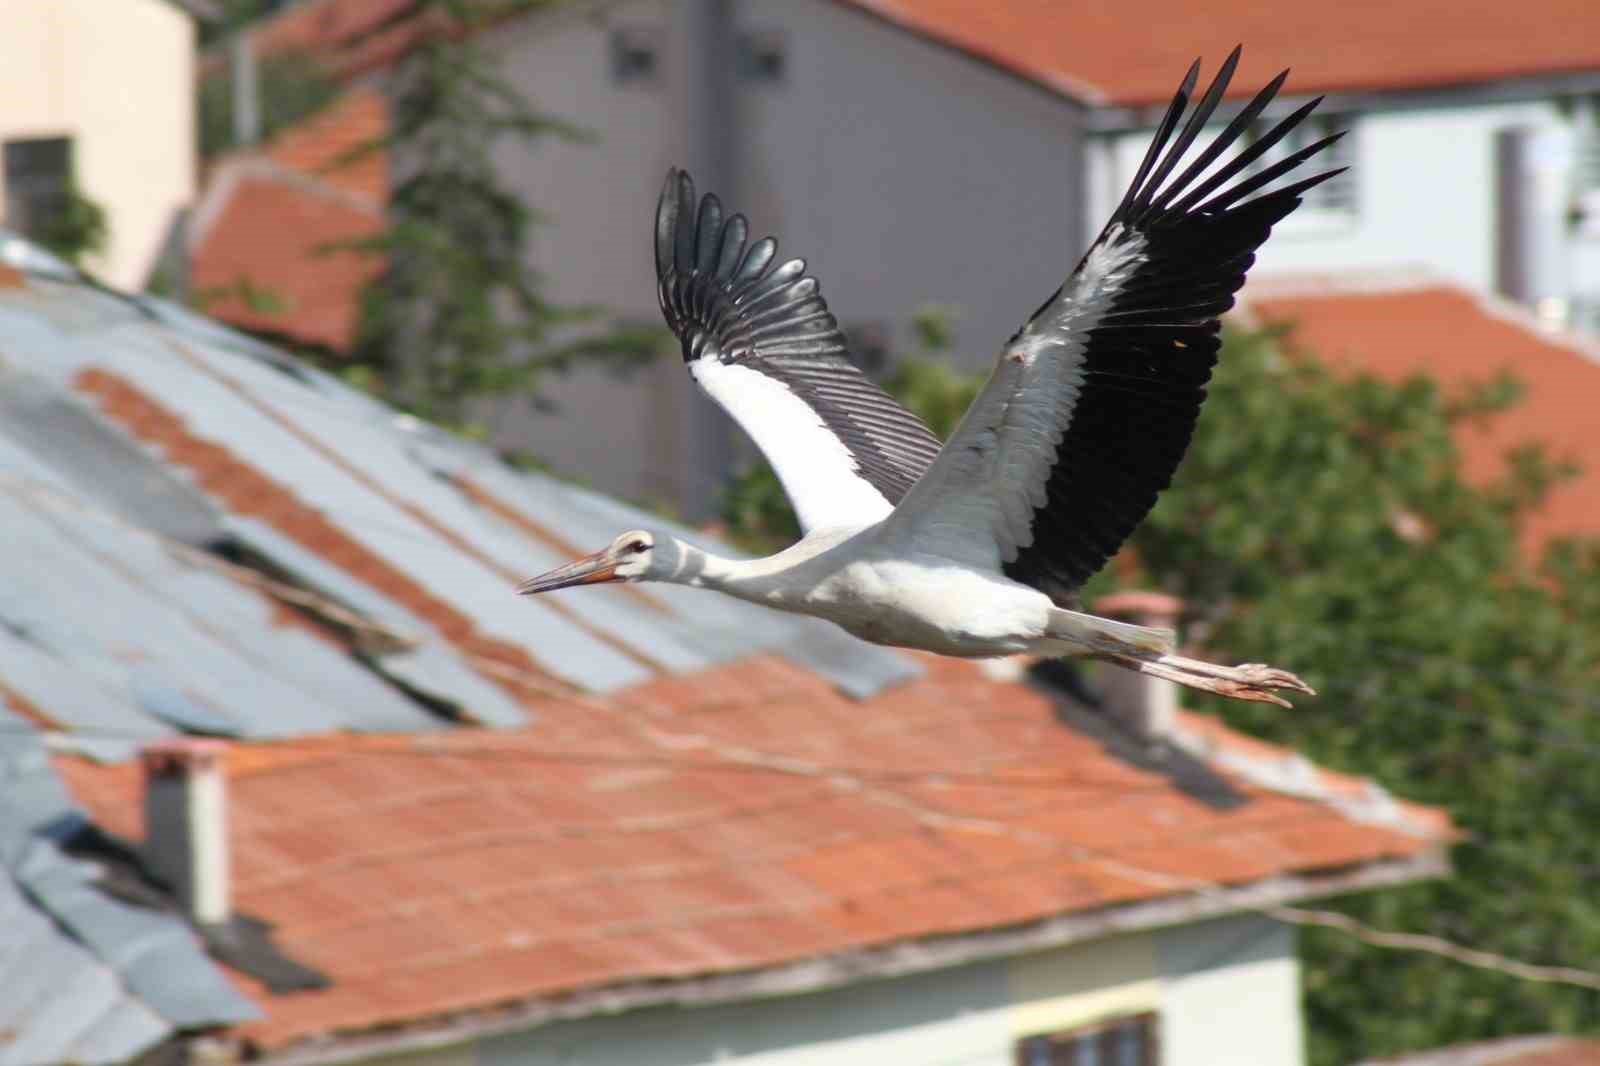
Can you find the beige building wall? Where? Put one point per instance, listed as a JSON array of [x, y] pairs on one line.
[[1224, 992], [117, 76]]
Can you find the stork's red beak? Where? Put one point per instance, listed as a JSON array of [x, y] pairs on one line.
[[590, 570]]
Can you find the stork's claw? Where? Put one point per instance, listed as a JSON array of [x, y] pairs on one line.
[[1254, 682]]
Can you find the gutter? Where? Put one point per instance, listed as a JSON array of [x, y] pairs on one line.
[[1112, 119]]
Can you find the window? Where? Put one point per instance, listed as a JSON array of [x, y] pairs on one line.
[[1586, 162], [1127, 1041], [1335, 195], [38, 176], [762, 56], [635, 55]]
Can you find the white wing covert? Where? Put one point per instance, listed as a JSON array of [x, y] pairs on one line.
[[759, 339]]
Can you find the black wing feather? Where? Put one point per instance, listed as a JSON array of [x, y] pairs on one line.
[[730, 300], [1148, 357]]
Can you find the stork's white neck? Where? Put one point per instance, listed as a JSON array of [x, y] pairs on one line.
[[757, 580]]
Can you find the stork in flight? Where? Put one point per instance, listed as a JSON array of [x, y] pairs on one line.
[[977, 548]]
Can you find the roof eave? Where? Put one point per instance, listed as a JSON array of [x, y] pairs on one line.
[[898, 959], [1058, 84], [1116, 118]]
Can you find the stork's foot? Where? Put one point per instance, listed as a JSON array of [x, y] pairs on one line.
[[1256, 682]]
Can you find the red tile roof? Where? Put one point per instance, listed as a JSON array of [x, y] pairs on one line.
[[1561, 1053], [1107, 53], [1509, 1051], [1132, 53], [266, 235], [1399, 327], [317, 146], [266, 214], [740, 818], [348, 35], [645, 837]]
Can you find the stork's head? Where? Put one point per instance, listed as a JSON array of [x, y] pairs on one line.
[[630, 557]]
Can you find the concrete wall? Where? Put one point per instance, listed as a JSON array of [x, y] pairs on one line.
[[905, 174], [1427, 194], [1226, 991], [119, 79], [1230, 994]]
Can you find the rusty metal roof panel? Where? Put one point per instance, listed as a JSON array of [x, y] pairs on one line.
[[392, 485], [89, 606], [156, 955], [86, 978], [61, 434], [352, 476], [431, 667], [717, 628], [61, 1004]]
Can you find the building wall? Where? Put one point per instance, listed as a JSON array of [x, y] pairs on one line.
[[905, 173], [1426, 180], [1230, 994], [1226, 991], [119, 79]]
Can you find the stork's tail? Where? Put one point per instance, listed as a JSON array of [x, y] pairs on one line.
[[1104, 635]]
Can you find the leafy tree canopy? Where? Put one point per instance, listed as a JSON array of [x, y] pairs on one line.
[[1323, 522]]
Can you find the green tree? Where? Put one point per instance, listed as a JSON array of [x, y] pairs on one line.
[[75, 229], [1323, 522], [457, 314]]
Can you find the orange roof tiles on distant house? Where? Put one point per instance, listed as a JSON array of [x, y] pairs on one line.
[[429, 876], [1399, 324], [1101, 53], [263, 226], [1104, 53]]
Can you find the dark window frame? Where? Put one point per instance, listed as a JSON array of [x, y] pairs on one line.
[[1102, 1043], [634, 52], [39, 189], [764, 56]]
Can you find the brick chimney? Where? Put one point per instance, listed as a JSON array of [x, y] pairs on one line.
[[186, 824], [1146, 705]]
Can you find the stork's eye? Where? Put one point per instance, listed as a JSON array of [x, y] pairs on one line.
[[637, 546]]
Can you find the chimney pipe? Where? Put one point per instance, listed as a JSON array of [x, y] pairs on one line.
[[1146, 705], [246, 90], [186, 824]]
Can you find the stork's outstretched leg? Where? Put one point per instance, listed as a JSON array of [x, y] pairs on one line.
[[1250, 681], [1149, 651]]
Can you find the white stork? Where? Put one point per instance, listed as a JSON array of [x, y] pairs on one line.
[[976, 549]]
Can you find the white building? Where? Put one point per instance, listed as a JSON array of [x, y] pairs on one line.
[[99, 96]]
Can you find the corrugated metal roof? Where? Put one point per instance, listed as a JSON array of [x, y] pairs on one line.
[[86, 978], [156, 956], [61, 1004], [378, 478], [135, 437]]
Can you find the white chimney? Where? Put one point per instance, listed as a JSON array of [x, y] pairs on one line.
[[1146, 705], [246, 90], [186, 824]]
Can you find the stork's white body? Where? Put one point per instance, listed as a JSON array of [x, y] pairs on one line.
[[976, 548], [852, 578]]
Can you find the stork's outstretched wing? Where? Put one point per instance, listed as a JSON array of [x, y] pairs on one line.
[[758, 338], [1091, 405]]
